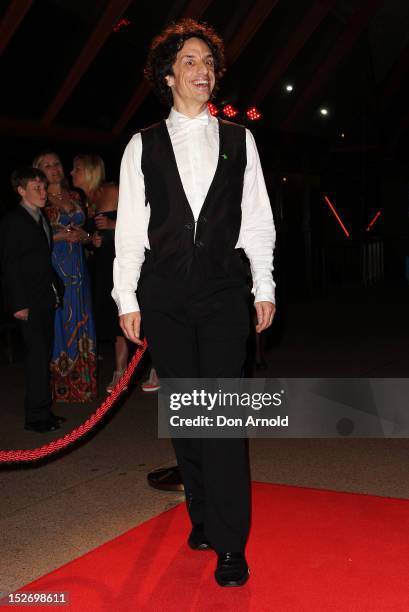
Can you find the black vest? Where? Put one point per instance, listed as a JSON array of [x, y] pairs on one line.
[[174, 247]]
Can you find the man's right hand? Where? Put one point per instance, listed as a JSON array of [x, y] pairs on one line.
[[131, 324], [22, 315]]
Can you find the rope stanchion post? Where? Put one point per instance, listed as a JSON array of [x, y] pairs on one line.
[[17, 456]]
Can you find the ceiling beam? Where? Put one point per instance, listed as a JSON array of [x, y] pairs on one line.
[[255, 18], [307, 26], [13, 16], [99, 35], [194, 9], [326, 70], [30, 128]]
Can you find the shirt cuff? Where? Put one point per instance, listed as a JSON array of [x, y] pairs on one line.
[[264, 292], [126, 302]]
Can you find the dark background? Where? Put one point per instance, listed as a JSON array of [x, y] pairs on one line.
[[73, 81]]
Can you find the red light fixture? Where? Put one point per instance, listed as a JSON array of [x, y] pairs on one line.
[[122, 23], [230, 111], [253, 114], [213, 110], [368, 229], [336, 215]]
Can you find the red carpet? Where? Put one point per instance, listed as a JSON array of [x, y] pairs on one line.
[[309, 550]]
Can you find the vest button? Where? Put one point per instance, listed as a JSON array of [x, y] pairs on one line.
[[199, 244], [188, 226]]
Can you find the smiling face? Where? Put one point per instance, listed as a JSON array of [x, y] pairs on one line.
[[193, 79], [34, 194], [51, 165]]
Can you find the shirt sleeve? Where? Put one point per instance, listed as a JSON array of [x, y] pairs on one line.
[[130, 231], [257, 233]]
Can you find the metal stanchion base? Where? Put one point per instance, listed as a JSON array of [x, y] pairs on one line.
[[166, 479]]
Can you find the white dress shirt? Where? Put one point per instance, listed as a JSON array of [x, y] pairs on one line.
[[196, 146]]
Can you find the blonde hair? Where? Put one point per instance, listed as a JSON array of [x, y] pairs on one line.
[[37, 161], [94, 170]]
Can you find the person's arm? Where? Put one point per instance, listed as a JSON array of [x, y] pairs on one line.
[[257, 235], [103, 222], [109, 201], [130, 238], [70, 235], [60, 232], [60, 235]]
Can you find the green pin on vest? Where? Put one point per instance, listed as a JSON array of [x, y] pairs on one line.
[[224, 156]]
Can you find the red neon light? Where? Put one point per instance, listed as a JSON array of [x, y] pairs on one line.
[[326, 198], [122, 23], [213, 110], [373, 221], [253, 114], [230, 111]]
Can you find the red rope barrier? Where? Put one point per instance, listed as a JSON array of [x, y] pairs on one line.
[[14, 456]]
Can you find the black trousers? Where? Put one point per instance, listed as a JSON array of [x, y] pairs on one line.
[[201, 331], [38, 334]]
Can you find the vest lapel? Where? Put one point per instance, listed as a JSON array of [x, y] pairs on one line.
[[219, 169], [168, 143]]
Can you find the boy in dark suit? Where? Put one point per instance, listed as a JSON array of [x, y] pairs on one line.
[[30, 290]]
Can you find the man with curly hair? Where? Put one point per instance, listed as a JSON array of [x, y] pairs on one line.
[[192, 193]]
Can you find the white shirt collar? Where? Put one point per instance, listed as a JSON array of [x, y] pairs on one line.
[[177, 119]]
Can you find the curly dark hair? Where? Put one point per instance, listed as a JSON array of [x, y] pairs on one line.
[[165, 47]]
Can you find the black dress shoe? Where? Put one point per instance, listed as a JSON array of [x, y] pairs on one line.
[[59, 419], [167, 479], [42, 426], [232, 569], [197, 539]]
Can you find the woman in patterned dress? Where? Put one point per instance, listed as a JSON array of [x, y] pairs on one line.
[[102, 201], [73, 365]]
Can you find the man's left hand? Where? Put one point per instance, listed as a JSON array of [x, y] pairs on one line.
[[265, 315]]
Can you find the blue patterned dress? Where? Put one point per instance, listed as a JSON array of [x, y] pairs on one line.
[[73, 364]]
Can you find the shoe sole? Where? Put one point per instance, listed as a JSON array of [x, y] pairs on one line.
[[161, 486], [149, 389], [233, 583]]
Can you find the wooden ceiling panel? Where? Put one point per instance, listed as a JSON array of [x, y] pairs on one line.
[[100, 33], [13, 16], [307, 26], [328, 66], [257, 15]]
